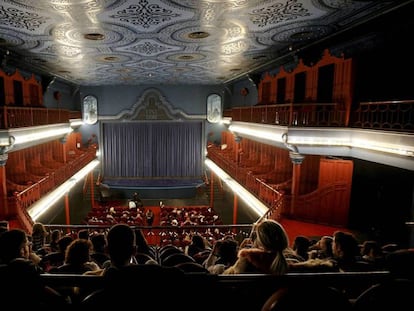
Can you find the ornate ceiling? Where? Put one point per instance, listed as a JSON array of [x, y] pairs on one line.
[[109, 42]]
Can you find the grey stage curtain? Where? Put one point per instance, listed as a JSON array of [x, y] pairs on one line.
[[152, 149]]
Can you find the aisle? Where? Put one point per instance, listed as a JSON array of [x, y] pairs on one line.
[[153, 235]]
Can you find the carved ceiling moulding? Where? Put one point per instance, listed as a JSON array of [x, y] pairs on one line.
[[152, 105]]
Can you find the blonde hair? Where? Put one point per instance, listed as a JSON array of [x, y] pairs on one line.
[[272, 237]]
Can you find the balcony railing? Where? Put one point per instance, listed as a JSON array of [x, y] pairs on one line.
[[381, 115], [15, 117]]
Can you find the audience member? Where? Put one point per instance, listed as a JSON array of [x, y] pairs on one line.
[[39, 235], [4, 226], [371, 252], [55, 235], [222, 256], [266, 254], [57, 258], [149, 216], [21, 277], [322, 249], [301, 246], [77, 258], [123, 278], [83, 234], [137, 200], [99, 254]]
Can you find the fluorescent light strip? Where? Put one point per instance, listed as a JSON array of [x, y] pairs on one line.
[[388, 148], [252, 202], [40, 134], [336, 138], [46, 202], [259, 132], [76, 123], [225, 120]]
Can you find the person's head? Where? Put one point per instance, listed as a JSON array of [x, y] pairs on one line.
[[55, 235], [301, 246], [78, 252], [371, 249], [83, 234], [271, 236], [121, 244], [39, 229], [4, 226], [227, 251], [198, 241], [64, 242], [325, 245], [99, 242], [14, 244], [344, 245]]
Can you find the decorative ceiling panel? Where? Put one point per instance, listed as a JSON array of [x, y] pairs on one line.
[[110, 42]]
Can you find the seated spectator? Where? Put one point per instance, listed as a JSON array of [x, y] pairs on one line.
[[77, 258], [301, 246], [371, 252], [39, 235], [21, 277], [99, 254], [4, 226], [322, 249], [124, 279], [266, 254], [56, 259], [149, 216], [222, 256], [346, 257], [198, 244], [55, 235], [132, 205]]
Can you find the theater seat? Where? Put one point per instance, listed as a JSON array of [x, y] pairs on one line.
[[175, 259], [313, 297], [394, 294]]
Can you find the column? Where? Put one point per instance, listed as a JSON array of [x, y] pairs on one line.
[[297, 160]]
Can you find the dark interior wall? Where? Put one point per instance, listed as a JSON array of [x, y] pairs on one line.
[[112, 100], [382, 201]]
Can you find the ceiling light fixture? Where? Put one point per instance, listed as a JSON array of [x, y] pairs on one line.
[[198, 35], [94, 36]]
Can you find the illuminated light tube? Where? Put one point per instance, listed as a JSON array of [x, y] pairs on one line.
[[76, 123], [225, 120], [262, 131], [388, 148], [41, 206], [252, 202], [22, 138]]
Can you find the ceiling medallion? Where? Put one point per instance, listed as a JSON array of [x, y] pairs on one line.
[[181, 57], [198, 35], [110, 58], [303, 35], [94, 36], [185, 57]]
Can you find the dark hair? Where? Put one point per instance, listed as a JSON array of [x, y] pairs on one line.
[[11, 243], [121, 243]]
